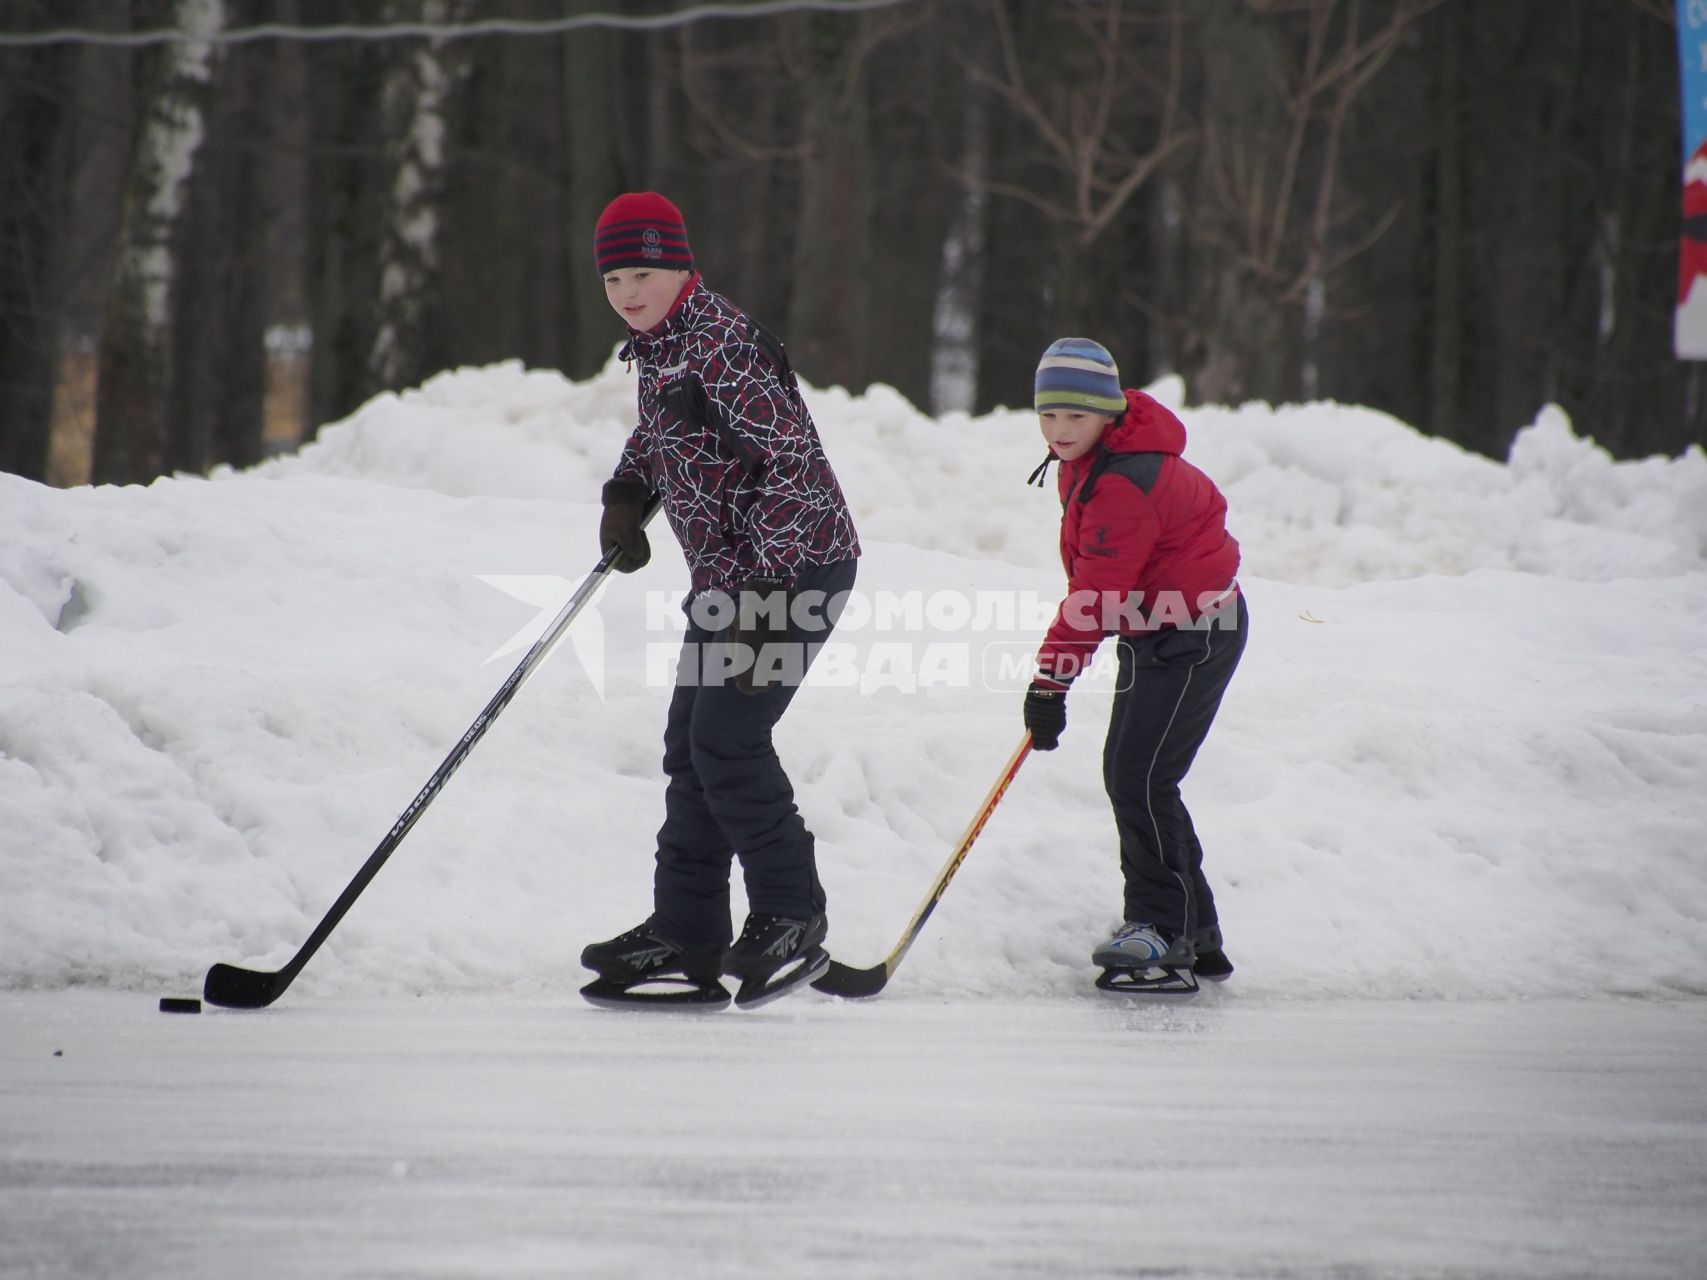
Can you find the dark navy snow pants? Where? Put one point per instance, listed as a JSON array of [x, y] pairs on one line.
[[727, 795], [1170, 687]]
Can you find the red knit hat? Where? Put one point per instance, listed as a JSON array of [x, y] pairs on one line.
[[641, 229]]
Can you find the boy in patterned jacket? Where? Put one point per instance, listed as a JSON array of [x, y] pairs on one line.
[[1144, 540], [726, 446]]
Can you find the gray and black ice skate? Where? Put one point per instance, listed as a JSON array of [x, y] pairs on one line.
[[1144, 960], [644, 969], [774, 955]]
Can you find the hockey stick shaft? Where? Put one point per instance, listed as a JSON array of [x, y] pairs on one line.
[[843, 980], [238, 988]]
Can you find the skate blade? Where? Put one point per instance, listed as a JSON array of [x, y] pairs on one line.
[[661, 994], [1178, 983], [761, 991]]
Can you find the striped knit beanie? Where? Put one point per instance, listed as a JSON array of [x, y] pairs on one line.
[[641, 229], [1076, 373]]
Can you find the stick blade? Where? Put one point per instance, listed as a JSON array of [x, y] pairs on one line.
[[850, 983], [232, 988]]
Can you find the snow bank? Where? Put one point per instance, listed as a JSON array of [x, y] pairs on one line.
[[1468, 738]]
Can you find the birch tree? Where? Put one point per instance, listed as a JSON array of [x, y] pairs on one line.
[[416, 96], [132, 424]]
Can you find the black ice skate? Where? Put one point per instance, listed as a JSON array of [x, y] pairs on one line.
[[642, 969], [1211, 964], [774, 955], [1142, 960]]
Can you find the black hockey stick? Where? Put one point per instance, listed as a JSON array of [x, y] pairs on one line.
[[841, 980], [236, 988]]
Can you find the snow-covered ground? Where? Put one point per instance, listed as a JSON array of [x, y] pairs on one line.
[[1454, 809]]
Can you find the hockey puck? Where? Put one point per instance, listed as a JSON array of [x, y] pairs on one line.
[[179, 1004]]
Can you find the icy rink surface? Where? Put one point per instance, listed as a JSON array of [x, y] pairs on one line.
[[449, 1136]]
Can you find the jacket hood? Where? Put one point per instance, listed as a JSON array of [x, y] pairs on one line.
[[1147, 426]]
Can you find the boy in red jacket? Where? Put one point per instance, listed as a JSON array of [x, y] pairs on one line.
[[1148, 558]]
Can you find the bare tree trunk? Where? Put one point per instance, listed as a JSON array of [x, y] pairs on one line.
[[1446, 332], [827, 325], [343, 213], [35, 175], [663, 132], [136, 356], [916, 201], [1168, 308], [955, 320], [593, 177], [505, 228], [101, 149], [218, 374], [1244, 326], [283, 244], [415, 102]]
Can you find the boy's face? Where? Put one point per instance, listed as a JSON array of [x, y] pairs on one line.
[[643, 296], [1072, 433]]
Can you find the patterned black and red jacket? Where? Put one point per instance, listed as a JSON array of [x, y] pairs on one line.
[[727, 444]]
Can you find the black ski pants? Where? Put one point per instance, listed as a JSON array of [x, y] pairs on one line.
[[1170, 687], [727, 795]]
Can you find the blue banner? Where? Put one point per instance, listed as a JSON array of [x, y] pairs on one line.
[[1689, 334]]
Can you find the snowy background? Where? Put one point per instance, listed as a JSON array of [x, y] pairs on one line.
[[1471, 723]]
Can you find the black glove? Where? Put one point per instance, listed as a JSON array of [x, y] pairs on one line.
[[755, 626], [623, 524], [1046, 713]]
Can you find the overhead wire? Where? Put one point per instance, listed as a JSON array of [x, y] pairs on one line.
[[438, 30]]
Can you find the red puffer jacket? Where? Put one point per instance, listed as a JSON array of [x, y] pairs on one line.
[[1143, 537], [725, 441]]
